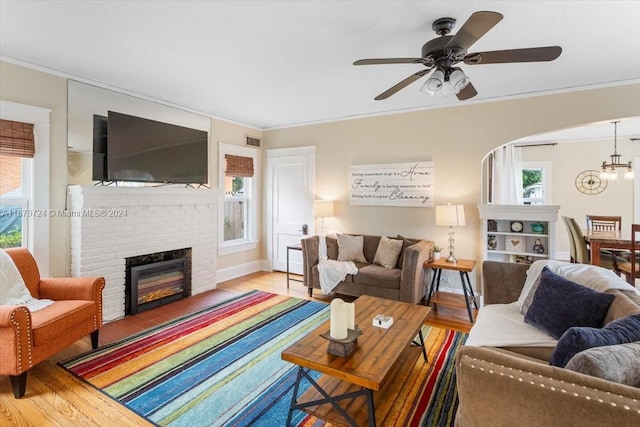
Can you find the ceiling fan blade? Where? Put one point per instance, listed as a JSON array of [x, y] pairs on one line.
[[467, 92], [532, 54], [404, 83], [379, 61], [478, 24]]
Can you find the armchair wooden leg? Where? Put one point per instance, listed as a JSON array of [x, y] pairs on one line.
[[94, 339], [311, 292], [19, 384]]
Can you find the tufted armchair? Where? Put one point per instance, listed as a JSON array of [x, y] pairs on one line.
[[28, 338]]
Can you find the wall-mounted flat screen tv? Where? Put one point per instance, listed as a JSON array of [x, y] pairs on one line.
[[145, 150]]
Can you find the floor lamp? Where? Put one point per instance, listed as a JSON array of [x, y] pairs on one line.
[[451, 216], [322, 209]]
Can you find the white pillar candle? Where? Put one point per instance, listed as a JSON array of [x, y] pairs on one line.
[[351, 315], [338, 329]]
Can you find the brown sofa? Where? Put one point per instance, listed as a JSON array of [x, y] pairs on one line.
[[406, 282], [516, 385], [28, 338]]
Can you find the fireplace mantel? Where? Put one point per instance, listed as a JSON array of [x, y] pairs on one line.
[[110, 224]]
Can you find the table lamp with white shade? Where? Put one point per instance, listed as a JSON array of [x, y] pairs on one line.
[[451, 216], [322, 209]]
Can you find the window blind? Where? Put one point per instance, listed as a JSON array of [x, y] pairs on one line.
[[16, 139], [238, 166]]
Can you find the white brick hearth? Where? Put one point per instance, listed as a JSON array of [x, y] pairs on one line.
[[109, 224]]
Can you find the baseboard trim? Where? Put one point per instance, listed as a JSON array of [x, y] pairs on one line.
[[240, 270]]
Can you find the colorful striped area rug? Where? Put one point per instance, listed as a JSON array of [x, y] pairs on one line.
[[221, 366]]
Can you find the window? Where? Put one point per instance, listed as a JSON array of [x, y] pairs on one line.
[[238, 179], [17, 149], [535, 183], [14, 200]]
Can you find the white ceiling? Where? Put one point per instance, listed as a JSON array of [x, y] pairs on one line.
[[271, 64]]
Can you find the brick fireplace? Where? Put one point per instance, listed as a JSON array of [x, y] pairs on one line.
[[110, 224]]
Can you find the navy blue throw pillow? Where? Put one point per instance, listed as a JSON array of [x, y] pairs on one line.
[[620, 331], [560, 304]]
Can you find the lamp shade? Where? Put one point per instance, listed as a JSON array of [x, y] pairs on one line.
[[322, 208], [450, 215]]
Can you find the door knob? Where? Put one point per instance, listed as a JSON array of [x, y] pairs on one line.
[[305, 229]]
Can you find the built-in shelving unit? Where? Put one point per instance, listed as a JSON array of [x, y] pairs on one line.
[[536, 240]]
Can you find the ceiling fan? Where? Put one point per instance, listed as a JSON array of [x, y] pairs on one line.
[[441, 54]]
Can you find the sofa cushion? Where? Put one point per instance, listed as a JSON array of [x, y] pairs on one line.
[[405, 244], [502, 325], [350, 248], [526, 303], [56, 319], [388, 252], [376, 275], [370, 247], [577, 339], [559, 304], [332, 247], [617, 363]]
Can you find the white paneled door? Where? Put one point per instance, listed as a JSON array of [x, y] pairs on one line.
[[291, 189]]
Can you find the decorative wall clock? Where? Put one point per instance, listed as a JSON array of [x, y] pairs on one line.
[[589, 182]]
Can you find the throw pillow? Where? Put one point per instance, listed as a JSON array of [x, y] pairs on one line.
[[405, 244], [388, 252], [597, 278], [575, 340], [617, 363], [559, 304], [350, 248]]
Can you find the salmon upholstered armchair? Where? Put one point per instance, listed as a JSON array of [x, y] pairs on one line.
[[26, 337]]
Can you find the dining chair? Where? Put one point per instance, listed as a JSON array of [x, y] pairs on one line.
[[604, 223], [631, 269], [582, 252], [609, 223]]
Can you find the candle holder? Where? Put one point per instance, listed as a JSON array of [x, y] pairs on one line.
[[342, 347]]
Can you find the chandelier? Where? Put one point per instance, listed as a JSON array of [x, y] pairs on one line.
[[608, 170]]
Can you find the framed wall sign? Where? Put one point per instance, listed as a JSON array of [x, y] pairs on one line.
[[393, 184]]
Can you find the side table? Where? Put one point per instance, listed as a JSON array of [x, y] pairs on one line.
[[464, 266], [296, 247]]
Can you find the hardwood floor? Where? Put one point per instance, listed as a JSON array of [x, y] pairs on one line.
[[56, 398]]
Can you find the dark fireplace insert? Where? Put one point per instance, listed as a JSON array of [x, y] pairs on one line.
[[156, 279]]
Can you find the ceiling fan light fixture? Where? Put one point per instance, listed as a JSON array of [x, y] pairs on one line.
[[459, 80], [447, 88], [434, 83]]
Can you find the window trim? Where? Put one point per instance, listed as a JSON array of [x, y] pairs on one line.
[[250, 242], [39, 179]]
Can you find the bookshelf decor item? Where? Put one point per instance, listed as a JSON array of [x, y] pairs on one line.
[[514, 243], [517, 226]]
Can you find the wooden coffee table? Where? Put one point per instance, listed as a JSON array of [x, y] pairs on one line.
[[377, 368]]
